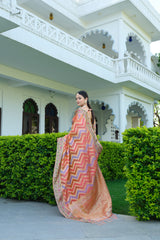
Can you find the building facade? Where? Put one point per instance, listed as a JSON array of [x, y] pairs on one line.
[[52, 49]]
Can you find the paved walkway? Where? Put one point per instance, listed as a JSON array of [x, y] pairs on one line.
[[22, 220]]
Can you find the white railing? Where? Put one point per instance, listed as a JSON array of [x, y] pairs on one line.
[[129, 66], [53, 34], [10, 6], [45, 30]]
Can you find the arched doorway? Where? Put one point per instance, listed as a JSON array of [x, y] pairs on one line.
[[106, 128], [51, 119], [30, 117], [137, 116]]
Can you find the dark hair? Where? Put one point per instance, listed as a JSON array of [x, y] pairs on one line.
[[85, 95]]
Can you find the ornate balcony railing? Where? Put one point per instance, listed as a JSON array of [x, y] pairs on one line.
[[129, 66], [44, 29], [11, 7], [53, 34]]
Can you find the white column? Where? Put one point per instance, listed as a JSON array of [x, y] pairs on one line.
[[14, 10], [150, 116], [121, 44], [122, 115], [13, 4], [148, 57], [122, 39], [42, 119], [11, 112]]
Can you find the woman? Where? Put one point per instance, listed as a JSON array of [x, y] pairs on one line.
[[79, 187]]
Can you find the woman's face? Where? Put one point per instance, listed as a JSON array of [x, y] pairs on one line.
[[81, 101]]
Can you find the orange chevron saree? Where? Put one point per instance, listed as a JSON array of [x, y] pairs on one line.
[[79, 187]]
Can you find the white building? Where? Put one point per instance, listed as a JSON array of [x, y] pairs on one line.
[[100, 46]]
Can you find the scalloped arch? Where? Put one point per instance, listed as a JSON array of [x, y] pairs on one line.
[[132, 34], [51, 107], [140, 106], [99, 31], [31, 102], [94, 31], [107, 113]]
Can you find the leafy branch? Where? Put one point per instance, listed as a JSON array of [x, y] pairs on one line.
[[156, 120]]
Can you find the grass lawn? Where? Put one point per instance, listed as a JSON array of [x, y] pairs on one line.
[[118, 194]]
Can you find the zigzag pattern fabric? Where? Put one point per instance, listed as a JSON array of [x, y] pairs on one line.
[[79, 187]]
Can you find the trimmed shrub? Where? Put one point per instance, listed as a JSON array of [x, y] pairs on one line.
[[26, 166], [27, 163], [111, 161], [142, 154]]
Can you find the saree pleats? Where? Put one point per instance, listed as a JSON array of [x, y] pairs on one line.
[[79, 187]]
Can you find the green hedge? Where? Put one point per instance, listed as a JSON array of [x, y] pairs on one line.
[[111, 161], [26, 166], [142, 154], [27, 163]]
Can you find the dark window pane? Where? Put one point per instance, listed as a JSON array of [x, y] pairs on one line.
[[34, 126], [30, 117], [53, 125], [51, 119], [30, 106], [51, 110], [26, 123], [96, 126], [47, 127]]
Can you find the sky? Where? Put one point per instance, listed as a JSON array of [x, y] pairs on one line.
[[155, 47]]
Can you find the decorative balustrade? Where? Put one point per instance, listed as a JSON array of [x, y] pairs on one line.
[[10, 6], [129, 66], [53, 34]]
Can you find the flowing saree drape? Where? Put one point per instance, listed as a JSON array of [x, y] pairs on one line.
[[79, 187]]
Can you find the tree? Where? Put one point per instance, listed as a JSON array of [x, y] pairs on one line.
[[158, 64], [156, 120]]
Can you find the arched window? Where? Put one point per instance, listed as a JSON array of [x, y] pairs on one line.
[[96, 126], [30, 117], [51, 119], [116, 134]]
